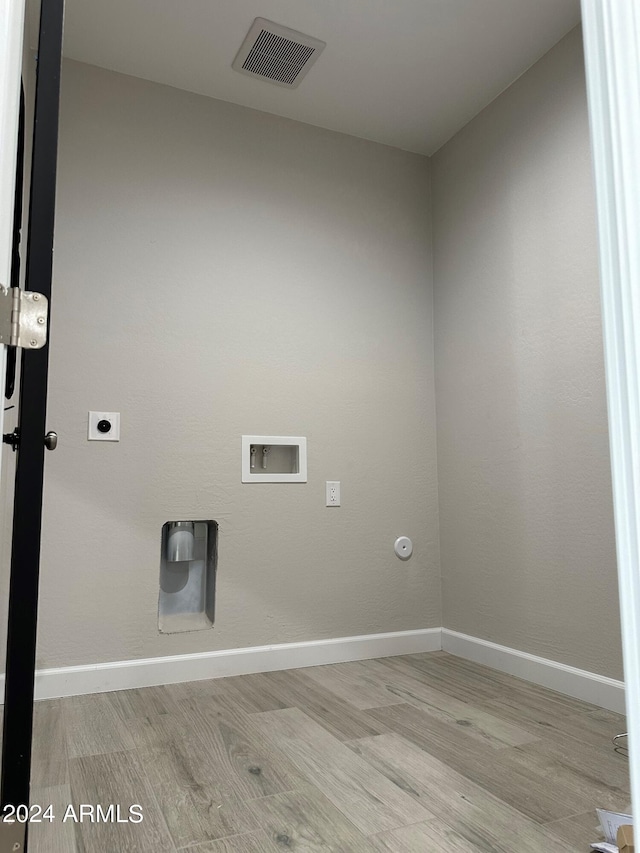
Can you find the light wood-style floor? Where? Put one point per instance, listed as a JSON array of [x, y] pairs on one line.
[[408, 754]]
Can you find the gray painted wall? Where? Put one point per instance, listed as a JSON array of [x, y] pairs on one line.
[[200, 244], [526, 529], [219, 271]]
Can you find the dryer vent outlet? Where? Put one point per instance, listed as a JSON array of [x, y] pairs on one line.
[[277, 54]]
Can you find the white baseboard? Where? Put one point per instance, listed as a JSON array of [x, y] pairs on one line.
[[122, 675], [579, 683], [147, 672]]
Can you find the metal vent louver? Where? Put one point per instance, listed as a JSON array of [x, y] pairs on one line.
[[277, 54]]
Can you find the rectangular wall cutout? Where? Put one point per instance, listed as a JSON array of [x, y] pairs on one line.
[[188, 563], [274, 459]]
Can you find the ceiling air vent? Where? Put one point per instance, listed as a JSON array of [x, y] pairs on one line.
[[277, 54]]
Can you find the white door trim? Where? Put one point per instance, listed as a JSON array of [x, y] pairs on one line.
[[11, 40], [612, 57]]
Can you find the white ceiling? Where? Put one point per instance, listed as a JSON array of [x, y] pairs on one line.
[[408, 73]]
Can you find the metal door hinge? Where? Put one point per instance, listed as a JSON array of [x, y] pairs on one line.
[[23, 318]]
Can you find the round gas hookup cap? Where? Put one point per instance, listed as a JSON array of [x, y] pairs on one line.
[[403, 546]]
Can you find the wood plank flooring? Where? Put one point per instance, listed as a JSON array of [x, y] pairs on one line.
[[415, 753]]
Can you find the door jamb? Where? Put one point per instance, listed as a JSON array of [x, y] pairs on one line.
[[12, 17], [27, 516], [611, 31]]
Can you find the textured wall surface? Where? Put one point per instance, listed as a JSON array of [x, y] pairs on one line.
[[219, 271], [527, 535]]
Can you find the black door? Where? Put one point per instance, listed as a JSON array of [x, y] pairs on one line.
[[29, 437]]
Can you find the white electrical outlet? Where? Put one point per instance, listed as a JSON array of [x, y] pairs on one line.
[[333, 492], [104, 426]]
